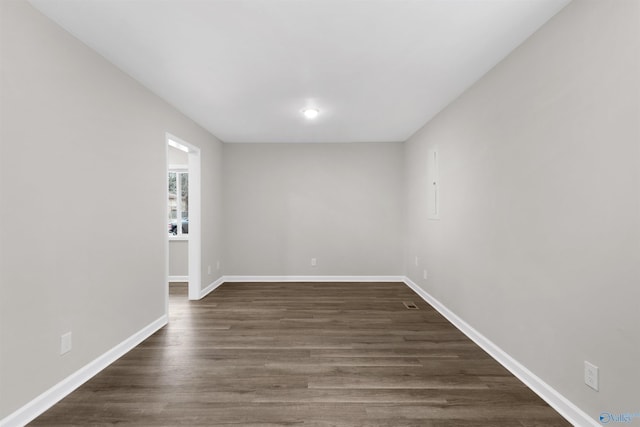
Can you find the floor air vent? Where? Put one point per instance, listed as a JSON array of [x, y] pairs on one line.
[[410, 305]]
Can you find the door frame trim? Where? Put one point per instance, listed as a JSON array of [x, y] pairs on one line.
[[195, 219]]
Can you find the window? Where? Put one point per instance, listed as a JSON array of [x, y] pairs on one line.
[[178, 202]]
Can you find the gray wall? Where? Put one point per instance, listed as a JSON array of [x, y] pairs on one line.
[[178, 258], [83, 196], [537, 246], [212, 249], [177, 157], [287, 203]]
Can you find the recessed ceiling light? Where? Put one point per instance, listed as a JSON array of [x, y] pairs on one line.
[[310, 113]]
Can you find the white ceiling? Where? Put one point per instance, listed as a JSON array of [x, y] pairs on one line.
[[377, 70]]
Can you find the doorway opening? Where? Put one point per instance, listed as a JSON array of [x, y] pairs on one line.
[[183, 216]]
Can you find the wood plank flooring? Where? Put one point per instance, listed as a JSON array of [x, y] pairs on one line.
[[312, 354]]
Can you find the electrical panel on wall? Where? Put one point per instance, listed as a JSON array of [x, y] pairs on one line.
[[433, 181]]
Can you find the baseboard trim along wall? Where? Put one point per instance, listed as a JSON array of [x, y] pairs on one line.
[[313, 278], [564, 406], [236, 279], [206, 291], [173, 279], [56, 393]]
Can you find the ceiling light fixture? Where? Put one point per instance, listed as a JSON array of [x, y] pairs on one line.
[[311, 113]]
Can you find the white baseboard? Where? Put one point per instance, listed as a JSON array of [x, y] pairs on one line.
[[251, 279], [173, 279], [313, 278], [206, 291], [564, 406], [56, 393]]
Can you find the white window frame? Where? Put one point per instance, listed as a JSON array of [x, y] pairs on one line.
[[178, 169]]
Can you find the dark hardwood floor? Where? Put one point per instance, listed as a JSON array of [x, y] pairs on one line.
[[321, 354]]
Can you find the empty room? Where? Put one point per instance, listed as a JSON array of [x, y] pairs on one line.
[[320, 213]]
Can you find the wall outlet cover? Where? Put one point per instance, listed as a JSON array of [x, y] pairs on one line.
[[591, 375], [65, 343]]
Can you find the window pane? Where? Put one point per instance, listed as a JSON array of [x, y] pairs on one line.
[[173, 203], [184, 201]]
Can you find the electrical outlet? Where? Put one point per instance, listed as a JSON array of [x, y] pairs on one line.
[[424, 274], [591, 375], [218, 265], [314, 262], [209, 270], [416, 260], [65, 343]]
